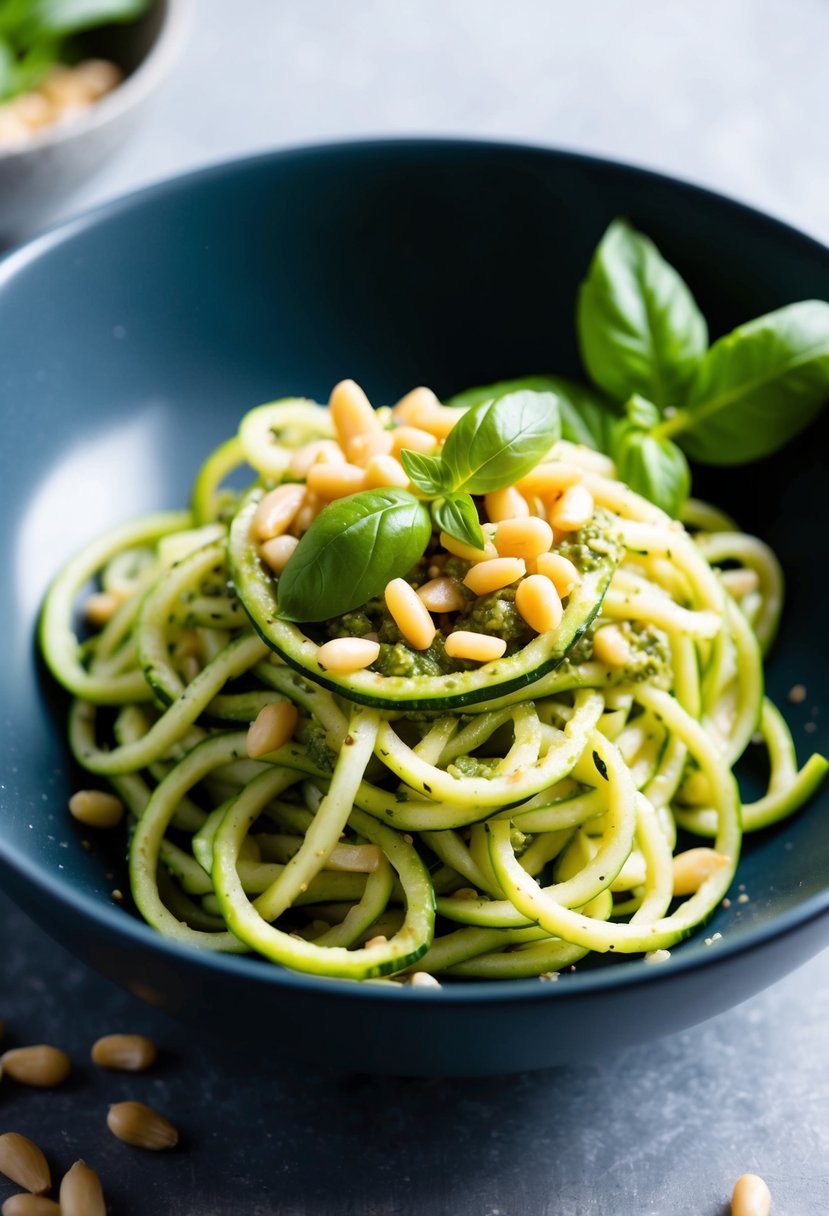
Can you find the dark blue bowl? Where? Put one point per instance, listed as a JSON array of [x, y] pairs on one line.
[[134, 337]]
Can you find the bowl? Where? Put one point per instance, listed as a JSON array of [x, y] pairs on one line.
[[39, 177], [134, 338]]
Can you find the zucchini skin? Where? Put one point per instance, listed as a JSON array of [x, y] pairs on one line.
[[257, 593]]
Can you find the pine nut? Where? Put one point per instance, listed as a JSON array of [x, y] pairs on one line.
[[740, 582], [413, 439], [751, 1197], [332, 481], [538, 603], [81, 1193], [278, 551], [98, 76], [505, 504], [306, 515], [410, 614], [442, 594], [30, 1205], [526, 538], [379, 940], [494, 574], [101, 607], [438, 421], [343, 655], [692, 867], [33, 109], [479, 647], [24, 1163], [125, 1052], [323, 451], [420, 400], [276, 511], [573, 510], [550, 478], [351, 412], [559, 570], [610, 646], [41, 1066], [64, 86], [385, 471], [470, 554], [96, 808], [273, 726], [141, 1126], [361, 448], [423, 979]]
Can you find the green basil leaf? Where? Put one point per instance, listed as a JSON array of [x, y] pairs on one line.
[[428, 473], [496, 442], [7, 66], [70, 16], [586, 415], [655, 468], [353, 548], [639, 328], [757, 387], [457, 515]]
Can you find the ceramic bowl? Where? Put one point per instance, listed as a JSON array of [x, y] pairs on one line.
[[134, 338]]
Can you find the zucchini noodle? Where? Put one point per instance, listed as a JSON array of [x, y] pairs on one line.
[[550, 809]]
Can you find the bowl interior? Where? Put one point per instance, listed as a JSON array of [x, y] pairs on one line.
[[136, 337]]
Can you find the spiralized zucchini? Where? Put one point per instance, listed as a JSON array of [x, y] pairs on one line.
[[505, 838]]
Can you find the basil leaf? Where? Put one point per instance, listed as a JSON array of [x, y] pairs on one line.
[[639, 328], [586, 415], [496, 442], [757, 387], [428, 473], [70, 16], [353, 548], [457, 515], [655, 468]]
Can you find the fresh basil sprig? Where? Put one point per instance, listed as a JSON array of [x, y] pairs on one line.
[[586, 416], [354, 547], [652, 466]]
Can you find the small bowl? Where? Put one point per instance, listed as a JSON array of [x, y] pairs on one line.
[[39, 177], [135, 336]]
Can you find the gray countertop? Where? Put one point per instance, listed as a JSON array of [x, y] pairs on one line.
[[731, 96]]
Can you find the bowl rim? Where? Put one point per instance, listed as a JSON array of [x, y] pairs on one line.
[[633, 971], [130, 92]]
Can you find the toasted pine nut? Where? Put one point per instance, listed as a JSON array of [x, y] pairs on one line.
[[41, 1066], [416, 402], [740, 582], [385, 471], [538, 603], [276, 511], [140, 1125], [278, 551], [379, 940], [525, 538], [413, 439], [610, 646], [96, 808], [361, 448], [494, 574], [273, 726], [550, 478], [508, 503], [34, 109], [125, 1052], [573, 510], [30, 1205], [81, 1193], [423, 979], [24, 1163], [351, 411], [306, 515], [692, 867], [410, 614], [438, 421], [324, 451], [559, 570], [468, 552], [332, 481], [751, 1197], [101, 607], [64, 86], [478, 647], [98, 76], [343, 655], [442, 594]]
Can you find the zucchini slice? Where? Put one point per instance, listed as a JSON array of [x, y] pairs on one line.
[[257, 589]]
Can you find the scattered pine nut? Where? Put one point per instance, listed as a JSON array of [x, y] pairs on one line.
[[40, 1066], [493, 574], [30, 1205], [610, 646], [278, 551], [410, 614], [559, 570], [96, 808], [573, 510], [351, 412], [423, 979], [508, 503], [537, 601], [693, 867], [415, 403], [324, 451], [412, 439], [276, 511], [141, 1126], [385, 471], [332, 481], [348, 654], [550, 478], [657, 956], [740, 583], [751, 1197], [379, 940], [362, 448], [525, 538], [125, 1052], [24, 1163], [101, 607], [81, 1193], [273, 726], [442, 594], [477, 647]]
